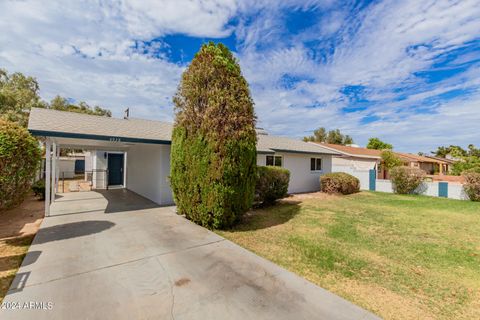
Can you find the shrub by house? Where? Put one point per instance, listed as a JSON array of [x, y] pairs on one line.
[[339, 182], [406, 180], [19, 160], [472, 184], [272, 184], [213, 155]]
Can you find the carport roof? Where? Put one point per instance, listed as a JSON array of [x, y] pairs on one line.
[[54, 123]]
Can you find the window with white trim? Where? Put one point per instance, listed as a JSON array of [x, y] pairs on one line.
[[315, 164], [274, 161]]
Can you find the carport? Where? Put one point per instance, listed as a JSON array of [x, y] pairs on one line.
[[126, 153]]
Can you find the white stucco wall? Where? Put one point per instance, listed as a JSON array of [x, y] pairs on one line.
[[357, 167], [148, 167], [301, 178]]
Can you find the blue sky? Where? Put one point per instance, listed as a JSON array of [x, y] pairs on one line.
[[405, 71]]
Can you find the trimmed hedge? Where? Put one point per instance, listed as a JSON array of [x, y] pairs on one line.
[[339, 182], [472, 184], [272, 184], [19, 160], [406, 180], [213, 153]]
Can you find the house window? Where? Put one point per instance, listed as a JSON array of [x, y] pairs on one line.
[[315, 164], [274, 161]]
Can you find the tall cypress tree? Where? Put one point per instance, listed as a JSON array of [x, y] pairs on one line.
[[213, 158]]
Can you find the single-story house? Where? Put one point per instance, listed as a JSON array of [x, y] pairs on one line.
[[135, 153], [359, 161], [431, 165], [355, 161]]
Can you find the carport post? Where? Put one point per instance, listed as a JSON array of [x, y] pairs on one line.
[[57, 170], [47, 176], [54, 169]]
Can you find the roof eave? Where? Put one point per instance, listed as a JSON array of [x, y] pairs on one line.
[[59, 134]]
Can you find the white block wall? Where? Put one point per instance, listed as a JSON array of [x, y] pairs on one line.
[[455, 190], [383, 186]]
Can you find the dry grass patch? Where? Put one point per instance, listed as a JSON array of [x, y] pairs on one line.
[[17, 228], [401, 257]]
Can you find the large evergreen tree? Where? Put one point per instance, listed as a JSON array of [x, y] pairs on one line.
[[213, 156]]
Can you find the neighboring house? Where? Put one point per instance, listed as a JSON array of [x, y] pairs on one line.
[[355, 161], [447, 163], [135, 153], [432, 166], [359, 161]]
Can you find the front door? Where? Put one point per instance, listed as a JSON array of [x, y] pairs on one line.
[[115, 169]]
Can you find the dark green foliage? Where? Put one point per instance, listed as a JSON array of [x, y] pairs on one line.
[[390, 159], [472, 183], [406, 180], [339, 182], [19, 160], [62, 104], [467, 159], [332, 136], [38, 189], [19, 93], [377, 144], [272, 184], [213, 155]]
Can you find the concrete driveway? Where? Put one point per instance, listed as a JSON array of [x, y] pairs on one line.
[[116, 255]]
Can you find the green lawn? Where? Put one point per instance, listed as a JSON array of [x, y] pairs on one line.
[[402, 257]]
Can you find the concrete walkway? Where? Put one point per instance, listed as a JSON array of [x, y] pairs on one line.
[[116, 255]]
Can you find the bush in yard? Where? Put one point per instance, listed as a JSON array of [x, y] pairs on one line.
[[213, 155], [19, 160], [272, 184], [472, 184], [406, 180], [38, 189], [339, 182]]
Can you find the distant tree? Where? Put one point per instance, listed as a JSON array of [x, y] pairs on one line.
[[332, 136], [319, 135], [348, 140], [18, 94], [377, 144], [62, 104], [473, 151], [467, 159], [454, 151], [390, 159]]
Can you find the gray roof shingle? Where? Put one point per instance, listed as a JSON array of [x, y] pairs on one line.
[[276, 143], [47, 122], [77, 123]]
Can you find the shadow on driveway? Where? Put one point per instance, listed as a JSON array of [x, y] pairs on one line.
[[71, 230]]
